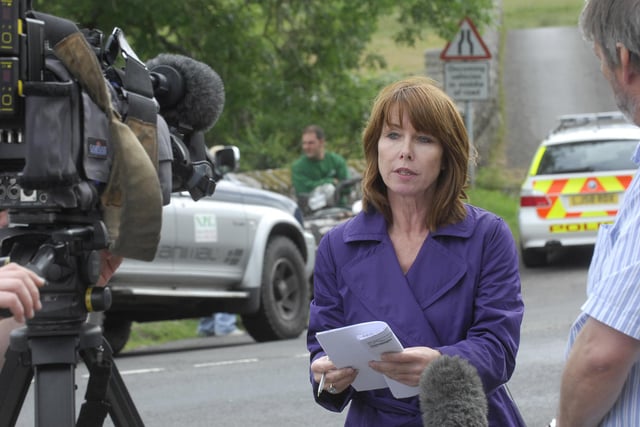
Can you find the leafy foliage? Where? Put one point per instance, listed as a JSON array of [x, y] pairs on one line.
[[285, 63]]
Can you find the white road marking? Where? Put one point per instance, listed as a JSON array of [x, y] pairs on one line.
[[197, 365], [136, 372], [225, 362]]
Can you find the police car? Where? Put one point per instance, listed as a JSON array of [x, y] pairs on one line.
[[576, 183]]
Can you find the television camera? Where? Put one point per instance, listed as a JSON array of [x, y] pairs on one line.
[[92, 143]]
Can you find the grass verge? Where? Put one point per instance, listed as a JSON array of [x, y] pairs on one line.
[[499, 202], [154, 333], [540, 13]]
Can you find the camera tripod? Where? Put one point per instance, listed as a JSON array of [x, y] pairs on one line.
[[48, 348], [52, 360]]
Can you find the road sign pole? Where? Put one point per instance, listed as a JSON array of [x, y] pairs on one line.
[[468, 118]]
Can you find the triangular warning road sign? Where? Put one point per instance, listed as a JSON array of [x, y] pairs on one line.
[[466, 45]]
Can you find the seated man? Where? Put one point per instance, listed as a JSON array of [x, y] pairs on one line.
[[316, 166]]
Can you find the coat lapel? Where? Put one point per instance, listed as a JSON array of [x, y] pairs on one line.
[[434, 272]]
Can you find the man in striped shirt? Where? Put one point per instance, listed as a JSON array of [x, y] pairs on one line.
[[601, 380]]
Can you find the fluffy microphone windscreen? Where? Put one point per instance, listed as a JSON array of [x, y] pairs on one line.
[[202, 100], [451, 394]]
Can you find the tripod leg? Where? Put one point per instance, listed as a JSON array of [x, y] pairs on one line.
[[15, 379], [54, 362], [121, 407], [123, 412], [54, 395]]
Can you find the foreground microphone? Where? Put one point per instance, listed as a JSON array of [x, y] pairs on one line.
[[189, 92], [451, 394]]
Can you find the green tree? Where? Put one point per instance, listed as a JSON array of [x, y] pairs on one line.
[[285, 63]]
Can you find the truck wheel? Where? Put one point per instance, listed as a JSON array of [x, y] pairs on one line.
[[533, 258], [116, 332], [284, 294]]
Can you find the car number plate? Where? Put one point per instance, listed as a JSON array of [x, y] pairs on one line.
[[594, 199]]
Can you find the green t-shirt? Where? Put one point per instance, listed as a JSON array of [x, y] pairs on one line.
[[307, 174]]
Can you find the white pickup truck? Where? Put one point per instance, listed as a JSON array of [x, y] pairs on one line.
[[242, 250]]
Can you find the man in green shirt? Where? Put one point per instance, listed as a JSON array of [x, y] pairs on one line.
[[316, 166]]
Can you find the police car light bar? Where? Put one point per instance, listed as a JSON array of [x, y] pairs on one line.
[[576, 120]]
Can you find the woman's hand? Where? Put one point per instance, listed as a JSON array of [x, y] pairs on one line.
[[405, 366], [335, 380]]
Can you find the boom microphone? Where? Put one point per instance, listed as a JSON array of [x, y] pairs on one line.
[[188, 91], [451, 394]]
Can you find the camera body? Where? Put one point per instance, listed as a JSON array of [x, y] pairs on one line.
[[56, 143], [86, 159]]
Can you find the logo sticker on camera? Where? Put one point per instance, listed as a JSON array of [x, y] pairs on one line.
[[97, 148]]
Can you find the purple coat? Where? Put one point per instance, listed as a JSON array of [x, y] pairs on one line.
[[461, 296]]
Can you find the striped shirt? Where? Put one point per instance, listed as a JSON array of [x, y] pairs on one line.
[[613, 293]]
